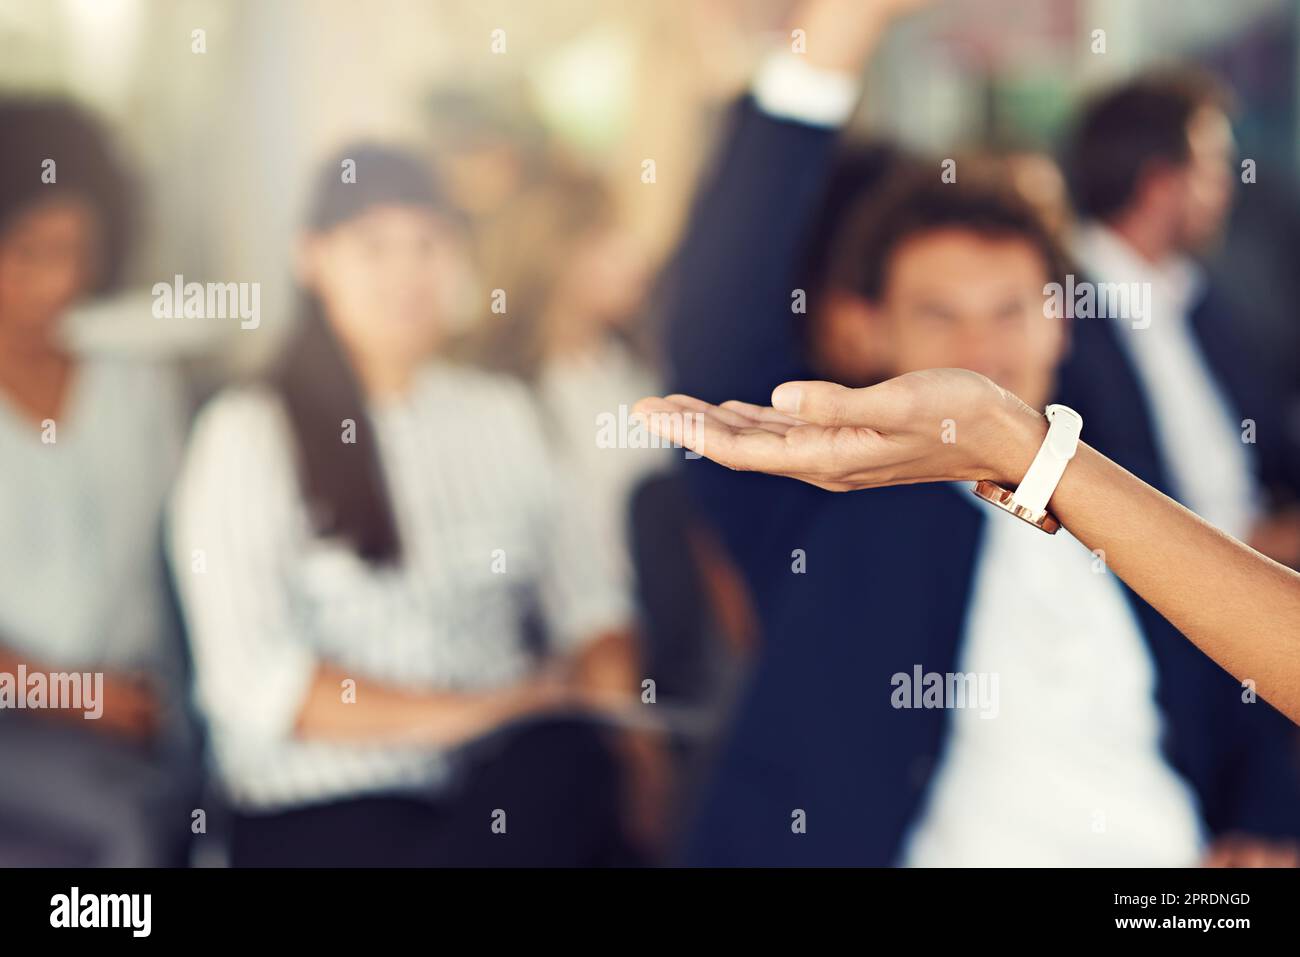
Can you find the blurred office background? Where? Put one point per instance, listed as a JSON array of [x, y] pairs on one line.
[[225, 140], [226, 137]]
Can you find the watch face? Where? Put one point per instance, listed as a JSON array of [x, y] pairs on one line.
[[1005, 500]]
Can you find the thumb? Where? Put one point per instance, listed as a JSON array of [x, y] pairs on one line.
[[879, 406], [820, 403]]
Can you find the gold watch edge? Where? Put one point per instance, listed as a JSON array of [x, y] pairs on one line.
[[995, 494]]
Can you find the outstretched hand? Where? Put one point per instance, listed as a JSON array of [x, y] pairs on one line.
[[937, 425]]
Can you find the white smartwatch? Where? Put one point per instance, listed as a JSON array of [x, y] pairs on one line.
[[1029, 500]]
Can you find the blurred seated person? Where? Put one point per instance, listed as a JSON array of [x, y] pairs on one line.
[[89, 444], [571, 324], [1175, 396], [698, 629], [697, 612], [360, 542], [1100, 737]]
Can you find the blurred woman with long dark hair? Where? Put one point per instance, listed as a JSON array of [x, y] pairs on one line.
[[362, 541]]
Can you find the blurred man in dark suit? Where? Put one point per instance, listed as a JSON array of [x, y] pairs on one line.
[[1089, 733], [1174, 396]]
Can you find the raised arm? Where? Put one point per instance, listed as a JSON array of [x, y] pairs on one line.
[[1240, 608], [732, 329]]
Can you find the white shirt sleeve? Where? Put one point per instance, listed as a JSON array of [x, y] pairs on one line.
[[788, 88], [232, 537]]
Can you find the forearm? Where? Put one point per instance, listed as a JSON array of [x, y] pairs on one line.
[[1240, 608], [124, 704], [609, 666], [607, 673], [370, 712]]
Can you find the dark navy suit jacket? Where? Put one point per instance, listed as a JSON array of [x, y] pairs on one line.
[[887, 579], [1100, 382]]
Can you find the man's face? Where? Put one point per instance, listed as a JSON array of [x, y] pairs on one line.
[[954, 298], [1205, 180]]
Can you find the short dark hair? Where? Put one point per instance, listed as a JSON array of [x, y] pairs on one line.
[[917, 201], [860, 167], [87, 167], [1121, 132]]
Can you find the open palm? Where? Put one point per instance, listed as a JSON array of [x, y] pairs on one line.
[[929, 426]]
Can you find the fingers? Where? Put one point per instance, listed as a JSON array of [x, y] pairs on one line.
[[763, 416], [734, 414], [679, 415], [722, 435], [682, 419], [763, 413], [672, 420], [726, 416]]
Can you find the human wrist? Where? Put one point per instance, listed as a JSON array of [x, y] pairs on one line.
[[847, 54], [842, 34], [515, 701], [1017, 433]]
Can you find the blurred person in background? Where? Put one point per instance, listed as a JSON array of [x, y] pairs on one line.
[[571, 325], [1037, 177], [699, 613], [1113, 740], [847, 339], [1177, 396], [361, 541], [89, 444], [1032, 173]]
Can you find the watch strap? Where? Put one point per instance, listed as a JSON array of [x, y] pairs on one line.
[[1058, 448]]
